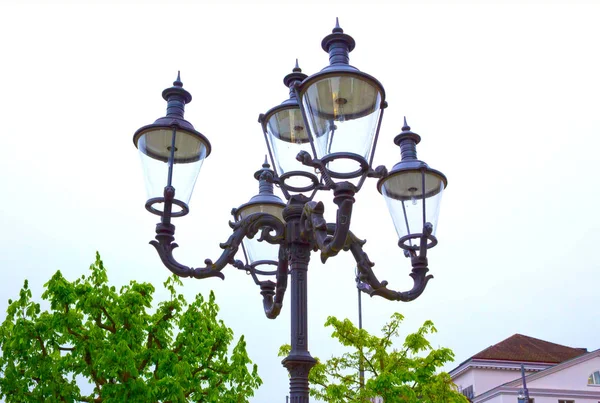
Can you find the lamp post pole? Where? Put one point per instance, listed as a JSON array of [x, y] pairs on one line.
[[299, 361], [361, 367], [322, 138], [525, 390]]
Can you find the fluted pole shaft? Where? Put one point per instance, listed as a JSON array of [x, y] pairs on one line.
[[299, 361]]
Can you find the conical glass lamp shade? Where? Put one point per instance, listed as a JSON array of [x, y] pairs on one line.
[[343, 112], [172, 152], [413, 193], [342, 107], [405, 195], [155, 151], [262, 252], [286, 135]]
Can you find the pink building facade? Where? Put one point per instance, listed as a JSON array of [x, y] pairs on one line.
[[554, 373]]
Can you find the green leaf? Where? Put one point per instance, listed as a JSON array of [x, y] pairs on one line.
[[409, 374], [126, 350]]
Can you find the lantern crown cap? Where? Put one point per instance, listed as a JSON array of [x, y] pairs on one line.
[[295, 75], [406, 134], [176, 92], [338, 45], [265, 194], [265, 173]]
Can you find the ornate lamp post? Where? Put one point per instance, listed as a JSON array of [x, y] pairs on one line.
[[322, 138]]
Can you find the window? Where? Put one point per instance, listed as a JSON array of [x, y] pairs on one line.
[[566, 401], [468, 392], [594, 378]]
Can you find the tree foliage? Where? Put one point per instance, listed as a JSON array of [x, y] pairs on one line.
[[177, 353], [405, 375]]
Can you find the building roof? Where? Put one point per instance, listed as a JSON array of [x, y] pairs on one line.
[[512, 387], [528, 349]]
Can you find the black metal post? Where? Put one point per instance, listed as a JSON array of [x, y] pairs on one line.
[[361, 367], [525, 390], [299, 361]]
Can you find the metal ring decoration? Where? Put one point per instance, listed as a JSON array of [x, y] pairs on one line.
[[155, 200], [309, 188], [264, 272], [364, 165], [402, 242]]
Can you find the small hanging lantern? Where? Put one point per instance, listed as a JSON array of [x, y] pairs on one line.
[[172, 153], [286, 136], [413, 193], [261, 252], [342, 107]]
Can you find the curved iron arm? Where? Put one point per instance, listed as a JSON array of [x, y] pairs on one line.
[[369, 282], [313, 223], [272, 292], [247, 227]]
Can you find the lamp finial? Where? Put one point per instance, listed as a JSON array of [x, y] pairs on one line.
[[295, 75], [177, 82], [406, 127], [337, 26]]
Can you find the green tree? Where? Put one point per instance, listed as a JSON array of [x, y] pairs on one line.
[[406, 375], [177, 353]]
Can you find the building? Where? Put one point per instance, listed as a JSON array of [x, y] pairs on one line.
[[554, 373]]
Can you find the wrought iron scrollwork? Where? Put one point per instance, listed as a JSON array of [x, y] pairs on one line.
[[369, 283], [247, 227], [331, 238], [315, 227]]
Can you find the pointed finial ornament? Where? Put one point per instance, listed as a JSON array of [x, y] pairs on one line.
[[177, 82], [176, 94], [264, 175], [406, 127], [295, 75], [344, 44], [337, 26], [407, 134]]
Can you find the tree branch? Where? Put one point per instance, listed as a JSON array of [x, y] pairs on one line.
[[97, 380], [371, 365], [44, 352], [114, 325], [98, 320], [71, 331]]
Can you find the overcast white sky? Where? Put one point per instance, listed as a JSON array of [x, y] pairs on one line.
[[505, 97]]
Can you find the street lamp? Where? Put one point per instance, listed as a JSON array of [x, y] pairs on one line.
[[523, 396], [322, 138]]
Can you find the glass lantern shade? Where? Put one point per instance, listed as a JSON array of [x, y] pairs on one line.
[[155, 148], [343, 112], [260, 252], [287, 136], [404, 194]]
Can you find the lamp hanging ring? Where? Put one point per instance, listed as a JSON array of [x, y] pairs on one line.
[[155, 200], [364, 165], [303, 189], [402, 243]]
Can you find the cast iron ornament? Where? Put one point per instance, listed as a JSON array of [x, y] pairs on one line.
[[303, 230]]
